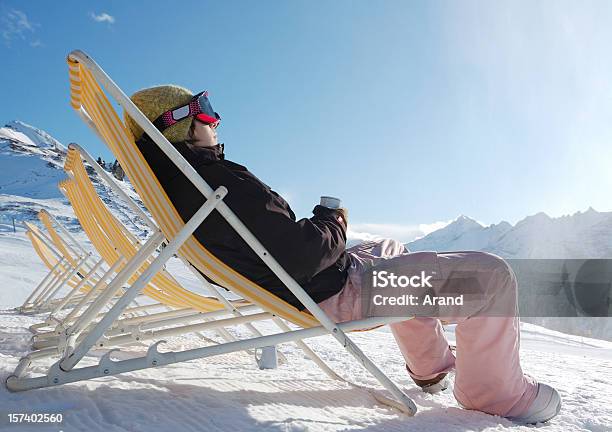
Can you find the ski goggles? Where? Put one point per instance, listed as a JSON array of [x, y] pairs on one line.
[[199, 107]]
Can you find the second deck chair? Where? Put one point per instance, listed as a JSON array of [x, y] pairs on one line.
[[92, 104], [72, 251], [77, 270], [62, 271], [129, 329], [114, 241]]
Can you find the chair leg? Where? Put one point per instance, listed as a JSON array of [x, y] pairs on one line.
[[76, 289], [41, 285], [52, 283]]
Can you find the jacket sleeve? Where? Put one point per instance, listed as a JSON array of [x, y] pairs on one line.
[[304, 247], [307, 246]]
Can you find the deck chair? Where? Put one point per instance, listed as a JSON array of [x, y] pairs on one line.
[[59, 272], [71, 251], [128, 330], [84, 267], [62, 272], [68, 267], [75, 271], [91, 103]]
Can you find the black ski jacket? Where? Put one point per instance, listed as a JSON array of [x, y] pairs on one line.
[[311, 250]]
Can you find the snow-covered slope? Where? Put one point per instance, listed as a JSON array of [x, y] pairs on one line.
[[229, 392], [31, 136], [31, 165]]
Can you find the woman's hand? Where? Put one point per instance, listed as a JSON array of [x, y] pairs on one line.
[[343, 214]]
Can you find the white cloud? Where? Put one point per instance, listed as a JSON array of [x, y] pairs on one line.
[[103, 17], [16, 25], [403, 233]]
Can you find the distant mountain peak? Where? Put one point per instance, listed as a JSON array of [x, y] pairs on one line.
[[541, 215], [465, 221], [537, 218], [17, 130]]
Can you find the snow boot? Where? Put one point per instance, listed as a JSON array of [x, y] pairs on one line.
[[545, 406], [433, 385]]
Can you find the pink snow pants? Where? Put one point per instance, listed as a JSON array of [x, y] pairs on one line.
[[488, 374]]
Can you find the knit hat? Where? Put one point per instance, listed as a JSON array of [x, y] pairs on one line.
[[153, 102]]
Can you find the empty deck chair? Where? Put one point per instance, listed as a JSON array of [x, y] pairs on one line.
[[72, 251], [56, 264], [75, 269], [129, 329], [88, 98], [65, 271]]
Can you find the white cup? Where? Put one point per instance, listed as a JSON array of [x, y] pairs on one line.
[[266, 357], [330, 202]]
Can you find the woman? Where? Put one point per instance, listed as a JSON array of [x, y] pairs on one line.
[[313, 251]]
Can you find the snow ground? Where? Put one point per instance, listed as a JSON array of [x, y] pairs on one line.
[[228, 392]]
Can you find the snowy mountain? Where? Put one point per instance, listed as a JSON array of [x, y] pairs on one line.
[[25, 134], [31, 165], [585, 234], [30, 162], [461, 234]]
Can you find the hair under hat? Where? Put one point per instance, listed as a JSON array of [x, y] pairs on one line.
[[153, 102]]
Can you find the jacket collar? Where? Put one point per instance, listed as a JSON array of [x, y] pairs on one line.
[[193, 154], [213, 154]]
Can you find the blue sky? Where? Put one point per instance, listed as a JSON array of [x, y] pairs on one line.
[[412, 112]]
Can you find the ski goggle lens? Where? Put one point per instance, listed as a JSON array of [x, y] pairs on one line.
[[198, 107]]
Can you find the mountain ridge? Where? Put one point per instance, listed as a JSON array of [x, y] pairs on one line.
[[583, 234]]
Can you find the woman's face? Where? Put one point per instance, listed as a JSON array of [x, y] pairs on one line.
[[203, 135]]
